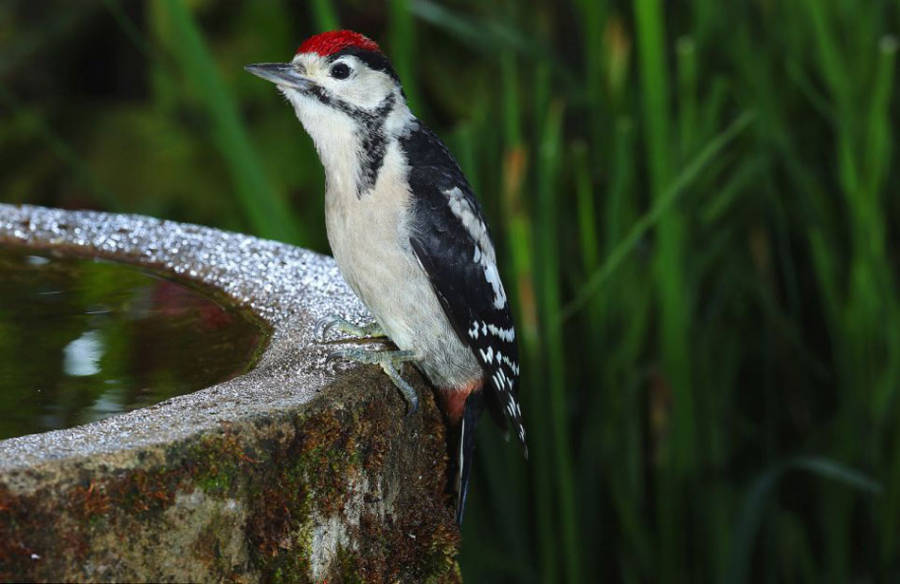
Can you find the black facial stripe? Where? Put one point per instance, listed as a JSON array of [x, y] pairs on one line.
[[372, 137], [374, 145], [354, 112], [326, 98]]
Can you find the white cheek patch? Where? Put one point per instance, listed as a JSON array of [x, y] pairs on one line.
[[364, 88]]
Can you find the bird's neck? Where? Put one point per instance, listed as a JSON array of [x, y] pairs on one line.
[[352, 148]]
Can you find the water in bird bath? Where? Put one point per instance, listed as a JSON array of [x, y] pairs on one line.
[[83, 339]]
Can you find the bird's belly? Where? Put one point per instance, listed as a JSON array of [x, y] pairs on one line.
[[374, 256]]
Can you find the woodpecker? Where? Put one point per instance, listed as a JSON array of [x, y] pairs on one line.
[[408, 236]]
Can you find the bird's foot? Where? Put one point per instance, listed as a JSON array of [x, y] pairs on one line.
[[389, 361], [367, 331]]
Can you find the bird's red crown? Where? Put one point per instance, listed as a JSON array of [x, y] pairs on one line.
[[328, 43]]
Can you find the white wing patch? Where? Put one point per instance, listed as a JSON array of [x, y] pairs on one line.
[[493, 278], [482, 329], [505, 334], [473, 224], [484, 249]]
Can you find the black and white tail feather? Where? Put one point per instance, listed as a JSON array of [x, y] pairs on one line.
[[452, 243]]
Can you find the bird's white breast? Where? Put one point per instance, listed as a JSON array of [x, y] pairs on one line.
[[369, 238]]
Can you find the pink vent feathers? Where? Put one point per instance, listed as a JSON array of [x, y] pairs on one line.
[[328, 43]]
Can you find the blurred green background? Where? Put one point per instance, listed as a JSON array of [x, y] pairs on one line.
[[695, 207]]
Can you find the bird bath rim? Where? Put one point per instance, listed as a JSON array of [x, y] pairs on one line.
[[287, 287]]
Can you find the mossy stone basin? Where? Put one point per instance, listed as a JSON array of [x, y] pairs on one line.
[[293, 470]]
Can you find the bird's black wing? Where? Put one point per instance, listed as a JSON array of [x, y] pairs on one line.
[[451, 241]]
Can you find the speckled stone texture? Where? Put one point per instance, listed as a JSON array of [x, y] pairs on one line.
[[298, 471]]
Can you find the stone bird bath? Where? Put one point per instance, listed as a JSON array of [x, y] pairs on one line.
[[292, 472]]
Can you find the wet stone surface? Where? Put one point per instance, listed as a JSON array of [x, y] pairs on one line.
[[296, 471]]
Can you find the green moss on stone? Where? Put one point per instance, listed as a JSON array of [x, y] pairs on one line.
[[286, 473]]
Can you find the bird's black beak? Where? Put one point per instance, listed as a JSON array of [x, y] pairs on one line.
[[284, 74]]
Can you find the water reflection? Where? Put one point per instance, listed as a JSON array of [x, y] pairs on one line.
[[82, 356], [83, 339]]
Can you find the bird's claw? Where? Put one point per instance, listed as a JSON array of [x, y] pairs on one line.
[[389, 362], [334, 356], [323, 325]]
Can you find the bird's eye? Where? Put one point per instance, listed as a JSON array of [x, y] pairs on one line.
[[340, 71]]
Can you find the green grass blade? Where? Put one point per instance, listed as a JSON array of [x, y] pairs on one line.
[[687, 95], [128, 28], [760, 491], [325, 15], [587, 217], [403, 51], [60, 148], [268, 213], [553, 342], [687, 176]]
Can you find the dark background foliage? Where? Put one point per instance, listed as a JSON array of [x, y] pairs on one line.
[[695, 208]]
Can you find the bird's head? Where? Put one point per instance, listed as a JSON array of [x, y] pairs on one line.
[[337, 79]]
